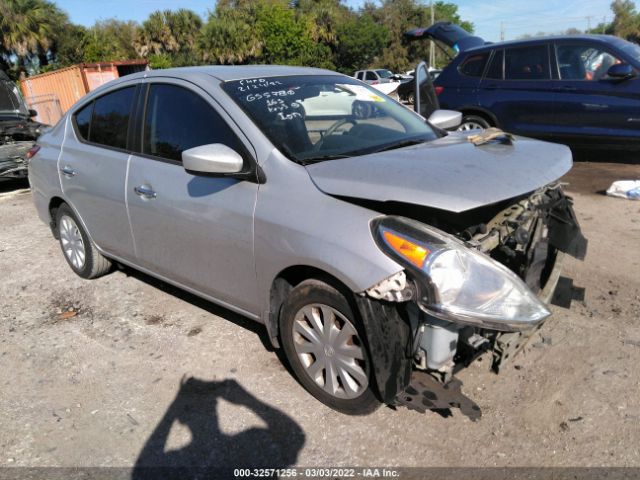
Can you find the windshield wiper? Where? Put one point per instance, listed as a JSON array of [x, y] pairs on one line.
[[400, 144], [322, 158]]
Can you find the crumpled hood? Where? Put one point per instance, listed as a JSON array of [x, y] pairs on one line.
[[449, 173]]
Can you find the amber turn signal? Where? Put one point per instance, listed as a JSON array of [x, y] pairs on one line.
[[413, 252]]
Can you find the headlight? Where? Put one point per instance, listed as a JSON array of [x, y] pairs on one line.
[[457, 283]]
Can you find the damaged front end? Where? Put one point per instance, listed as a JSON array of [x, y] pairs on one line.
[[18, 132], [474, 282]]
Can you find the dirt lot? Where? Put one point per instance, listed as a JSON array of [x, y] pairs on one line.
[[91, 371]]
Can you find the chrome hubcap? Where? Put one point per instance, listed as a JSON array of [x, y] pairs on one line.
[[330, 351], [72, 243], [470, 126]]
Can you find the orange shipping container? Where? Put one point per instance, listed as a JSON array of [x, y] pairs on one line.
[[53, 93]]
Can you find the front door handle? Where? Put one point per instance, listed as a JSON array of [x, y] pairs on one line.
[[67, 171], [145, 191]]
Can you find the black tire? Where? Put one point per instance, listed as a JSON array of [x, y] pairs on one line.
[[95, 264], [474, 120], [411, 98], [308, 293], [361, 110]]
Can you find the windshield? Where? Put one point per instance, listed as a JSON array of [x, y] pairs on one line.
[[384, 73], [10, 99], [631, 49], [314, 118]]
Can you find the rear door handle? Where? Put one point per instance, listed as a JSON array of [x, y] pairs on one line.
[[67, 171], [145, 191], [493, 86]]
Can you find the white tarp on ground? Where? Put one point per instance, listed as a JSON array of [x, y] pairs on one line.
[[629, 189]]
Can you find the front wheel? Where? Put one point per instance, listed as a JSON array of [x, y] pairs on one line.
[[323, 342], [473, 122]]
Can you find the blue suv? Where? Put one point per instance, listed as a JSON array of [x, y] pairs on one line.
[[582, 90]]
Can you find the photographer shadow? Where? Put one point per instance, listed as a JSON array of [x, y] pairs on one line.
[[211, 452]]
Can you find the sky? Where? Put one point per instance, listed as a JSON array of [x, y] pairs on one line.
[[518, 17]]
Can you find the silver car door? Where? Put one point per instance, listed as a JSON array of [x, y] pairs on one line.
[[93, 168], [195, 230]]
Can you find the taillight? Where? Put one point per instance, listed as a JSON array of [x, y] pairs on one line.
[[375, 82], [32, 151], [439, 90]]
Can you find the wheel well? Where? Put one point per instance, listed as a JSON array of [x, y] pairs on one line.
[[286, 281], [481, 113], [54, 204]]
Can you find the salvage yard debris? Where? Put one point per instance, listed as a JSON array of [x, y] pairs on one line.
[[629, 189]]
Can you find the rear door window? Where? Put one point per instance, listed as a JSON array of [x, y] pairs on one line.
[[527, 63], [474, 65], [178, 119], [110, 119]]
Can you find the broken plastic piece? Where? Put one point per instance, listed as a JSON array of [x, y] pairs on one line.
[[392, 289]]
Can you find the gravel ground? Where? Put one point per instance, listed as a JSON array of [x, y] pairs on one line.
[[125, 370]]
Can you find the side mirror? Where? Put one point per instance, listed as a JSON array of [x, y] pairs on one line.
[[215, 158], [33, 113], [445, 119], [620, 71]]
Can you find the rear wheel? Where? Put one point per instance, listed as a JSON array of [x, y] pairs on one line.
[[323, 342], [78, 250], [473, 122]]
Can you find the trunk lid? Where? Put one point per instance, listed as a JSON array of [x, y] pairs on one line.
[[448, 33]]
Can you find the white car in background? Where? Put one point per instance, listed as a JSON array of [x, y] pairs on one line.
[[381, 79]]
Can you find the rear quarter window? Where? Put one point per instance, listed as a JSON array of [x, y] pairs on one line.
[[473, 65], [495, 69], [83, 121]]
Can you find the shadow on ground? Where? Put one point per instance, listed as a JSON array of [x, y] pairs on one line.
[[7, 186], [593, 178], [212, 452], [255, 327]]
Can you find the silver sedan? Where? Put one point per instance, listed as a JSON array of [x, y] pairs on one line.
[[380, 251]]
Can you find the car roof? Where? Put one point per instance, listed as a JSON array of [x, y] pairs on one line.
[[233, 72], [535, 40]]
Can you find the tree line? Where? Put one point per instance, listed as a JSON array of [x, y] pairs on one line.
[[37, 36]]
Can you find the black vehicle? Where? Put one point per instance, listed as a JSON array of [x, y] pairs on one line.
[[18, 132], [581, 90], [406, 90]]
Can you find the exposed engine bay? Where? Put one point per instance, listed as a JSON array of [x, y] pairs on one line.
[[530, 235]]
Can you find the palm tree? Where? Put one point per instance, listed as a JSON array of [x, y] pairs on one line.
[[170, 33], [28, 29]]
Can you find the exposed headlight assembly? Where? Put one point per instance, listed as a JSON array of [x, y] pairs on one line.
[[457, 283]]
